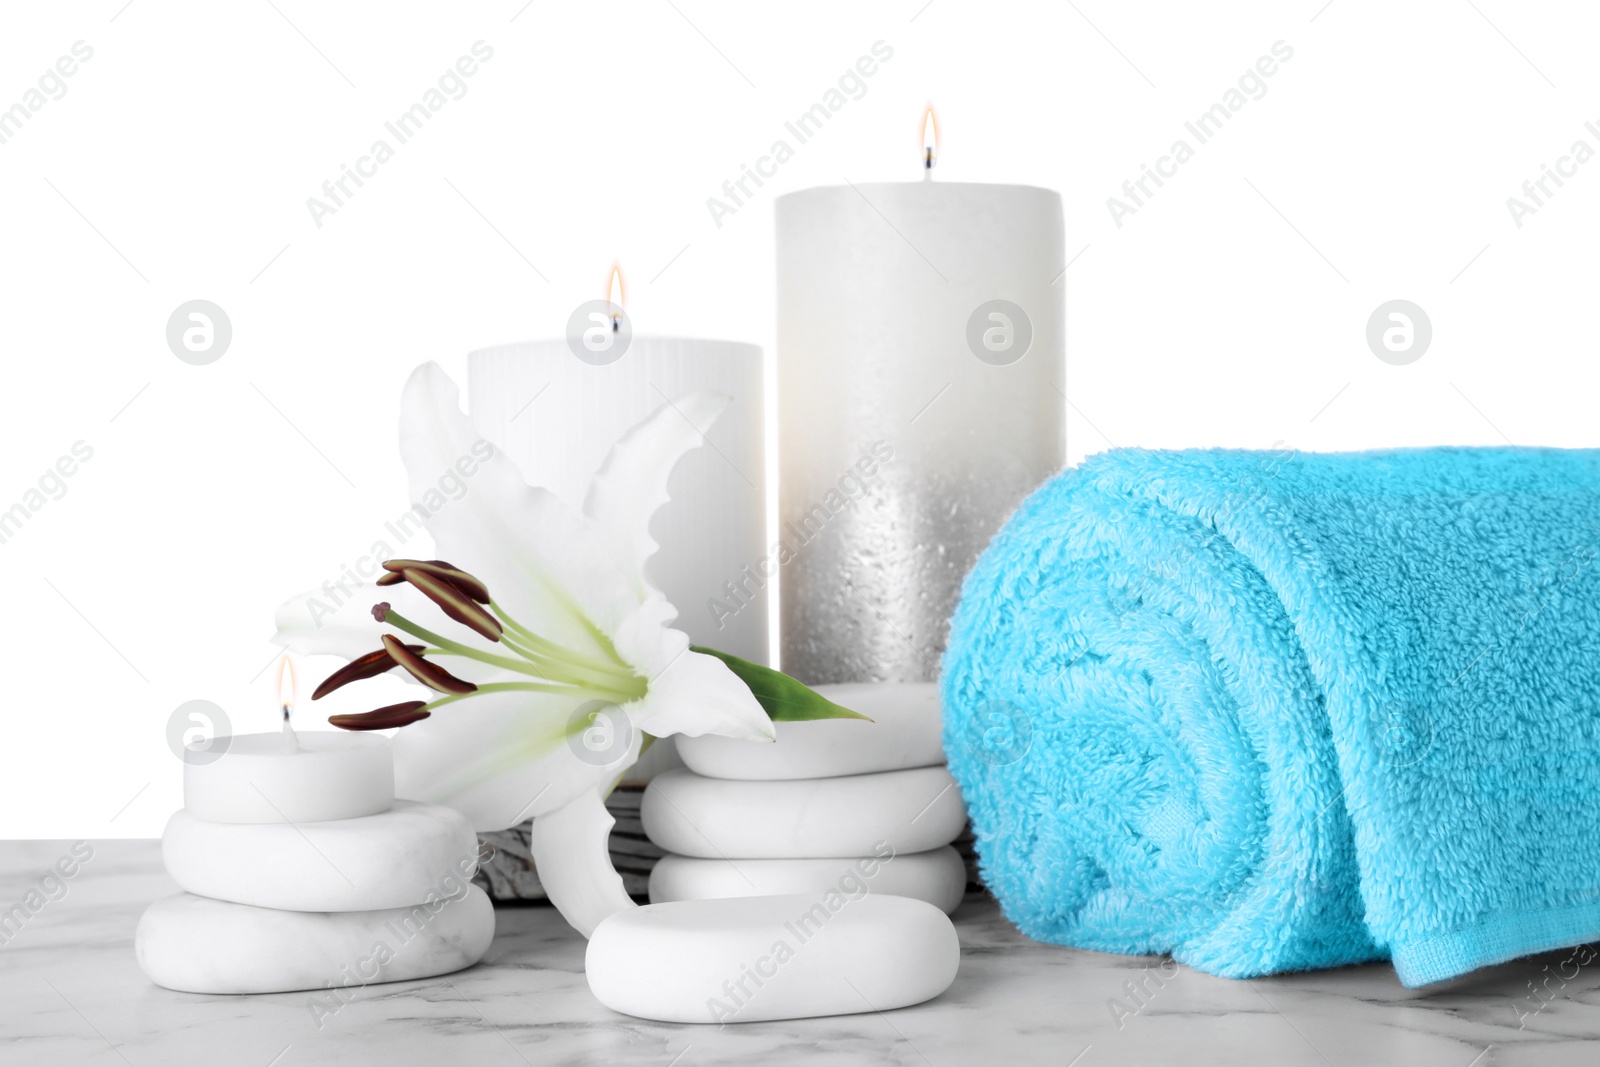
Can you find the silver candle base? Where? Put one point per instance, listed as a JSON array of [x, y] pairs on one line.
[[868, 596]]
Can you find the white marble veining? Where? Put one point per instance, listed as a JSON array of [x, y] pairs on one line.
[[71, 992]]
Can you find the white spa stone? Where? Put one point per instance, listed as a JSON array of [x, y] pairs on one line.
[[784, 957], [259, 778], [904, 733], [390, 860], [938, 877], [714, 818], [199, 945]]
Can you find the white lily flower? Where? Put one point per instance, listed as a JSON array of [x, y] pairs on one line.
[[576, 620]]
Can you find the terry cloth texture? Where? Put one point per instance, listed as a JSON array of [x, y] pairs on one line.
[[1269, 711]]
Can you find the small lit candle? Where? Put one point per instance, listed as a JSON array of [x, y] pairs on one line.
[[290, 777]]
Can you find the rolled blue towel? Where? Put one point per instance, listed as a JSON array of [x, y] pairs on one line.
[[1268, 711]]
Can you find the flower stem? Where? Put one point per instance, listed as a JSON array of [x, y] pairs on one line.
[[575, 674], [499, 687], [611, 673], [558, 651]]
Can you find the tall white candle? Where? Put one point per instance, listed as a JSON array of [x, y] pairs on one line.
[[921, 378]]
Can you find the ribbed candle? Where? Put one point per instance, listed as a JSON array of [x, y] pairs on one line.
[[557, 416]]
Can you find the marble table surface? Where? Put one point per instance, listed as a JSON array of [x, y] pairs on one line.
[[70, 992]]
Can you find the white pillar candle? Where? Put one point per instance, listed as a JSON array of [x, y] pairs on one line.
[[914, 411], [284, 777], [557, 416]]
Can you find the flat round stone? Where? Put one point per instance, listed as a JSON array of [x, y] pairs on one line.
[[904, 733], [390, 860], [784, 957], [860, 815], [199, 945], [938, 877]]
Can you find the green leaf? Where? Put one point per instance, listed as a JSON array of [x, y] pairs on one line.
[[783, 698]]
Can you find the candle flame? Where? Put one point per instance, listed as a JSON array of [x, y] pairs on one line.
[[616, 295], [930, 138], [287, 685]]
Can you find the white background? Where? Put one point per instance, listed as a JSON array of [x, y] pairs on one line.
[[1230, 310]]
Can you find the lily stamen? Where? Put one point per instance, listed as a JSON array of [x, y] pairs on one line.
[[626, 685], [504, 687], [403, 714], [448, 572], [429, 674], [454, 602], [553, 650], [362, 667], [444, 646]]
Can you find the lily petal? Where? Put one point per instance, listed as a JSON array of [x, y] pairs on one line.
[[647, 641], [499, 758], [697, 694], [689, 693], [576, 579], [542, 561], [570, 848], [631, 485]]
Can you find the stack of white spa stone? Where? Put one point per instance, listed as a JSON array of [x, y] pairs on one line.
[[273, 903], [835, 805], [809, 877]]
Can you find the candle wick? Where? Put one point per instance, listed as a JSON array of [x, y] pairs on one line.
[[291, 740]]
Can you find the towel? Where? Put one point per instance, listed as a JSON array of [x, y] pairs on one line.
[[1269, 711]]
